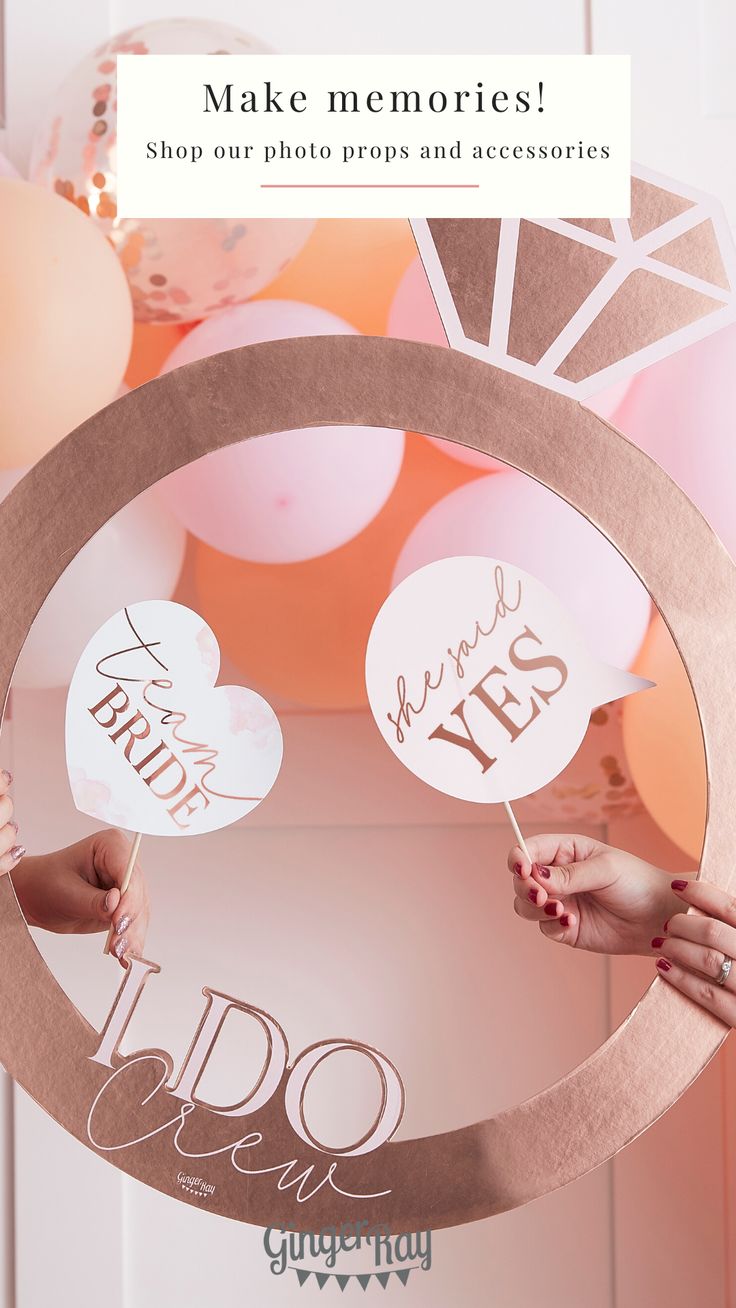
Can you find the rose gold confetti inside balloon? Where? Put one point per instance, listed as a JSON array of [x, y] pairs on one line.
[[596, 787], [179, 270]]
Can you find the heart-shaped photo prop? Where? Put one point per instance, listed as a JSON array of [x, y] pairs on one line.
[[480, 682], [152, 744]]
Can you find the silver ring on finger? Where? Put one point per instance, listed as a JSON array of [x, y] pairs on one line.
[[725, 971]]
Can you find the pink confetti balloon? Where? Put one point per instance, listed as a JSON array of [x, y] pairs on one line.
[[510, 516], [293, 495], [179, 270]]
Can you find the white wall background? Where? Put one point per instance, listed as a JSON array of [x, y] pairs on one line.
[[656, 1227]]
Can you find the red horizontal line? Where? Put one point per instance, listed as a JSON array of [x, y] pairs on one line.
[[370, 186]]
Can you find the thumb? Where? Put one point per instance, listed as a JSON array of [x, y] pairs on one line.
[[573, 878], [88, 903]]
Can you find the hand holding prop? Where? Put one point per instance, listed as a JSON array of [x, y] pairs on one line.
[[152, 744]]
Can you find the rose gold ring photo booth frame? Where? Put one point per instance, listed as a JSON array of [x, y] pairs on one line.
[[573, 1126]]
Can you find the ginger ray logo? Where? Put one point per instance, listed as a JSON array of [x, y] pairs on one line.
[[195, 1185], [352, 1252]]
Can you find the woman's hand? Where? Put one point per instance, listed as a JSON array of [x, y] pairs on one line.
[[588, 895], [11, 851], [78, 890], [694, 945]]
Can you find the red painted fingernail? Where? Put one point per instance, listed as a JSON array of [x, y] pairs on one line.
[[565, 919], [551, 909], [663, 965], [517, 869], [544, 872], [679, 885], [533, 895], [657, 942]]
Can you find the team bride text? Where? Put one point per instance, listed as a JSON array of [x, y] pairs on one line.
[[162, 766], [111, 1128]]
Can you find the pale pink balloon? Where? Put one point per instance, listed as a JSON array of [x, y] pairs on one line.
[[137, 555], [681, 411], [509, 516], [461, 454], [289, 496], [414, 316], [605, 403], [7, 169]]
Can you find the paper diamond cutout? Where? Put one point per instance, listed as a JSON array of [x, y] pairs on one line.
[[633, 316], [696, 251], [599, 226], [579, 304], [653, 205], [537, 318], [469, 259]]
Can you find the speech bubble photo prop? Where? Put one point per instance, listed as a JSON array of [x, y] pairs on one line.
[[152, 744], [480, 682], [258, 1159]]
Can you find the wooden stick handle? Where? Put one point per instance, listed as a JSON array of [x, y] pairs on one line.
[[126, 882], [517, 831]]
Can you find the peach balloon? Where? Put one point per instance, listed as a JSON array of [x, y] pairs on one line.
[[664, 744], [350, 267], [67, 321], [299, 630]]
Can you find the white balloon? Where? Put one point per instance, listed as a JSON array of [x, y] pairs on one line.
[[137, 555], [510, 516], [293, 495]]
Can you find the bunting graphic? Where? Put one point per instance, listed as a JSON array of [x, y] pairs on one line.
[[362, 1278]]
